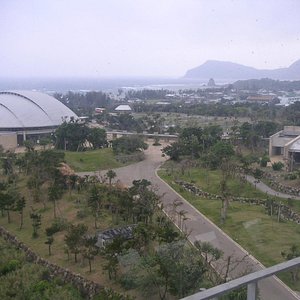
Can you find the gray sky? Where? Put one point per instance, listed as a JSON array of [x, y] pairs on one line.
[[144, 37]]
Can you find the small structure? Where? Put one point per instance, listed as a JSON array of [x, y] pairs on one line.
[[100, 110], [107, 236], [123, 108], [211, 83], [286, 143], [262, 99]]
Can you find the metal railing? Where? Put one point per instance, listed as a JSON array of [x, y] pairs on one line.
[[250, 280]]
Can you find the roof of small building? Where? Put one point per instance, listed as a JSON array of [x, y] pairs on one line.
[[123, 107], [126, 232], [295, 147], [261, 98]]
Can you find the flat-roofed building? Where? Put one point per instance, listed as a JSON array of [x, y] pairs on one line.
[[286, 143]]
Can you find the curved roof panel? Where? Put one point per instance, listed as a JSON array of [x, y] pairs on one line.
[[27, 109]]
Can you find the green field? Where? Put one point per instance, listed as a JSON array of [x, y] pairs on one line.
[[249, 225], [101, 159]]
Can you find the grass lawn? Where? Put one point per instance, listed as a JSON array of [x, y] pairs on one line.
[[249, 225], [101, 159]]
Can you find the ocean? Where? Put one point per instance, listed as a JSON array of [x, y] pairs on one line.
[[63, 85]]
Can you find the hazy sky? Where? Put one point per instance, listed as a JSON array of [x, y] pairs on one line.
[[144, 37]]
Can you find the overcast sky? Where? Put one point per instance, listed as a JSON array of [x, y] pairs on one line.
[[144, 37]]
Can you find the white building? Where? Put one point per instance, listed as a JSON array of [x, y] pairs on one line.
[[27, 114], [286, 143]]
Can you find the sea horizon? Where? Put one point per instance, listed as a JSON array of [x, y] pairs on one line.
[[51, 85]]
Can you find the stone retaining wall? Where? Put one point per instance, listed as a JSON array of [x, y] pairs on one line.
[[87, 287], [276, 185], [285, 212]]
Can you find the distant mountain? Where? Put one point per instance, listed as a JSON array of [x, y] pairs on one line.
[[228, 70]]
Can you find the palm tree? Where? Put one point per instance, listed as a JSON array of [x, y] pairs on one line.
[[111, 174]]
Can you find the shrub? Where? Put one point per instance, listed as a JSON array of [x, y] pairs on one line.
[[128, 281], [41, 286], [10, 266], [258, 173], [264, 161], [58, 224], [290, 176], [81, 214], [277, 166]]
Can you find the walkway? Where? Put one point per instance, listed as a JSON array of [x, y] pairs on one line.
[[199, 227], [266, 189]]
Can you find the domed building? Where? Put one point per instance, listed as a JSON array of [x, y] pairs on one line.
[[28, 115]]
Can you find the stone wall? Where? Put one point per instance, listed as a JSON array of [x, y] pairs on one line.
[[285, 212], [274, 183], [87, 287]]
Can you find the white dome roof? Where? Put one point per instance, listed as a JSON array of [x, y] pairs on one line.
[[27, 109]]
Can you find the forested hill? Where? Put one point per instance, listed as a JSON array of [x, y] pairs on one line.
[[266, 83]]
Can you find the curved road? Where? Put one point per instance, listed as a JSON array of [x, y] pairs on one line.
[[199, 227]]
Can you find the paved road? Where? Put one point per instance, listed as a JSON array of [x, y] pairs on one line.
[[200, 228], [266, 189]]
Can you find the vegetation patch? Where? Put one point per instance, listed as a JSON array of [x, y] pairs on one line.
[[94, 160]]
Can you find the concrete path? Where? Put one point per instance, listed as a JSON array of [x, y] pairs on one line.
[[199, 227], [266, 189]]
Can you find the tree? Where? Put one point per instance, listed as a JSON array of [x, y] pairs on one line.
[[166, 233], [223, 152], [54, 193], [145, 201], [90, 249], [128, 144], [110, 252], [74, 238], [292, 252], [97, 137], [258, 174], [173, 268], [111, 174], [94, 202], [249, 135], [50, 231], [20, 205], [36, 223], [7, 201], [49, 242], [209, 252], [71, 136], [8, 162], [142, 236], [174, 151]]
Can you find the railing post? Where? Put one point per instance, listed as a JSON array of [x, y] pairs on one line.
[[252, 291]]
